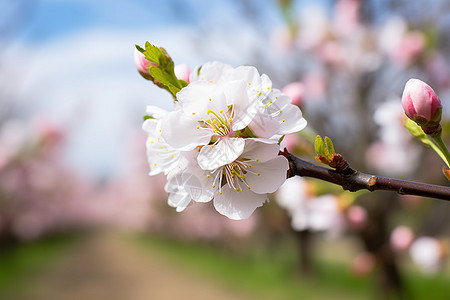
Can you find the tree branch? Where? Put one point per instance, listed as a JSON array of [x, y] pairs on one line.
[[353, 181]]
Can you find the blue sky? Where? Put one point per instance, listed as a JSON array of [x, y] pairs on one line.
[[79, 69]]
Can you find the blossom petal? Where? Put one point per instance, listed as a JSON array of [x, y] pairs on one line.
[[268, 176], [291, 120], [260, 150], [211, 71], [178, 197], [155, 112], [264, 126], [238, 205], [181, 133], [244, 109], [199, 97], [194, 181], [179, 200], [224, 152]]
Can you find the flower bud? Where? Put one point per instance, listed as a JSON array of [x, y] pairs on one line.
[[422, 105], [142, 64], [182, 72]]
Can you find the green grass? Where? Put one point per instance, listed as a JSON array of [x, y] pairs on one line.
[[263, 274], [274, 276], [19, 262]]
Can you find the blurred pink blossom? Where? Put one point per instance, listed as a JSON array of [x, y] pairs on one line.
[[410, 46], [427, 252], [347, 16], [401, 238], [363, 264], [295, 91], [395, 149], [317, 213], [357, 217]]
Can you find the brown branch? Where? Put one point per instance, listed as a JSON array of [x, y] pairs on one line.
[[353, 181]]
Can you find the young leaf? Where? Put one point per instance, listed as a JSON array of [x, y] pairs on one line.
[[165, 79], [319, 146], [148, 117], [152, 53], [329, 145]]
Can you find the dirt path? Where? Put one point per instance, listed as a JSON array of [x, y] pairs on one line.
[[108, 266]]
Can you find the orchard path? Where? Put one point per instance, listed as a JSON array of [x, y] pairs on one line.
[[109, 266]]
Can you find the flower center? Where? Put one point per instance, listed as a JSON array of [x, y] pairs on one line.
[[219, 123], [234, 173]]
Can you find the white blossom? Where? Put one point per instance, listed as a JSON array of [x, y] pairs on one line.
[[220, 142]]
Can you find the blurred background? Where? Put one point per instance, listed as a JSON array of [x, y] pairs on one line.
[[80, 217]]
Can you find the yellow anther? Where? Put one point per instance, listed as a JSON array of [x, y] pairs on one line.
[[210, 146], [211, 81], [256, 160], [276, 98], [283, 120], [237, 189], [173, 156], [162, 147], [249, 83], [270, 102], [220, 111], [155, 164], [281, 111], [220, 193], [193, 113], [210, 99], [249, 188], [208, 176], [258, 174], [230, 120], [213, 185], [198, 127]]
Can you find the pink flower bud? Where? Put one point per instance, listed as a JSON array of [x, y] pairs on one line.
[[422, 105], [295, 91], [182, 72], [142, 64]]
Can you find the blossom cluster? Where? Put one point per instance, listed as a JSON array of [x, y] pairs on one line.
[[221, 140]]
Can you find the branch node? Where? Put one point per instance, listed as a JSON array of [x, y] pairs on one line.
[[372, 182]]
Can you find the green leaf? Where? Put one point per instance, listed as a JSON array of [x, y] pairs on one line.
[[148, 117], [281, 139], [329, 145], [183, 83], [417, 132], [319, 146], [165, 79], [140, 49], [152, 53]]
